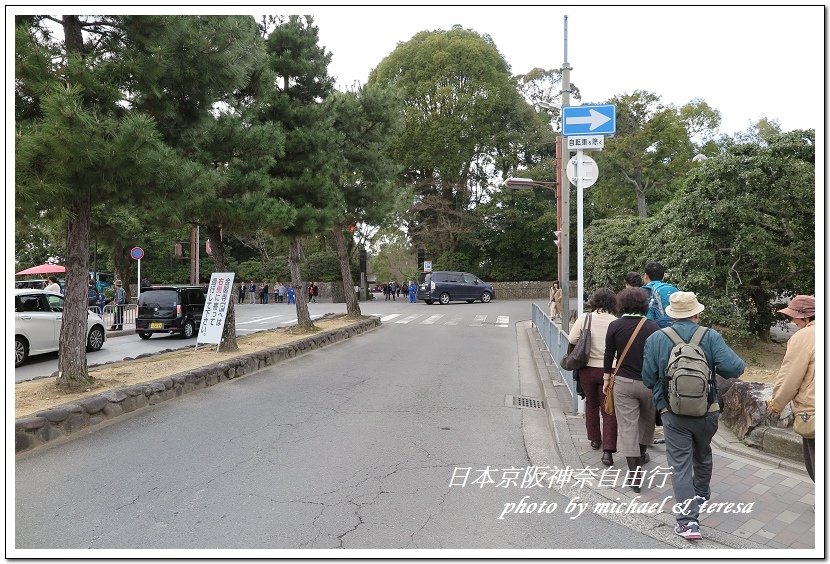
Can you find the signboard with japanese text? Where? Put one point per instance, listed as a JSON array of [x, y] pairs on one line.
[[216, 308], [586, 142]]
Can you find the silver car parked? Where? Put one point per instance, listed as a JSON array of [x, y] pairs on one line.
[[38, 316]]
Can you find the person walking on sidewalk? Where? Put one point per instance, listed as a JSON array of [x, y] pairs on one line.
[[688, 438], [659, 293], [796, 380], [602, 304], [555, 300], [633, 406]]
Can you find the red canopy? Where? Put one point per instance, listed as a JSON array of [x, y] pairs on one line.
[[42, 269]]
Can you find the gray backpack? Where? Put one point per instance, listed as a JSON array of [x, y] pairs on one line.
[[688, 376]]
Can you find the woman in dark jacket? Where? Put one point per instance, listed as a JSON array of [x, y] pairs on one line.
[[633, 402]]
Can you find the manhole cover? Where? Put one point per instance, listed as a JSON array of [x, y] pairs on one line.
[[532, 403]]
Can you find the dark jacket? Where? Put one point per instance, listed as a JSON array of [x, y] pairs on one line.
[[616, 338]]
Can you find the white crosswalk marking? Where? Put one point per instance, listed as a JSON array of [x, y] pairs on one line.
[[455, 320], [502, 320], [478, 321], [409, 318], [386, 318], [432, 319]]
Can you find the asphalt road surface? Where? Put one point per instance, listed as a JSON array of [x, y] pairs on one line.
[[362, 445]]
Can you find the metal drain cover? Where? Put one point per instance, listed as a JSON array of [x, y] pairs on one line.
[[525, 402]]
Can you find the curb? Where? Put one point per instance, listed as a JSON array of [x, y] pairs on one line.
[[64, 421]]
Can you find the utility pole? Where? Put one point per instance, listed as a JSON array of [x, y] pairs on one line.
[[565, 198]]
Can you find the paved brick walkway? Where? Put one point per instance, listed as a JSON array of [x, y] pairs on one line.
[[783, 496]]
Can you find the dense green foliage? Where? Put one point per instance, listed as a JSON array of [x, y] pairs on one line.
[[130, 130]]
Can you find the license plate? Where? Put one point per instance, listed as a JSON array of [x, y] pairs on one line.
[[155, 325]]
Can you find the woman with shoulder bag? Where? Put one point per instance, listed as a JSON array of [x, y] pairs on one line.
[[796, 380], [633, 402], [602, 305]]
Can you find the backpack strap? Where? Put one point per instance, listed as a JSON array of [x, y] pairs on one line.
[[698, 336], [672, 334]]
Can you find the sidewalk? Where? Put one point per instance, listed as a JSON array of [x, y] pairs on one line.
[[783, 496]]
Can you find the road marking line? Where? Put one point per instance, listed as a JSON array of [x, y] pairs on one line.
[[389, 317], [478, 321], [502, 320], [432, 319], [258, 320], [409, 318], [453, 321]]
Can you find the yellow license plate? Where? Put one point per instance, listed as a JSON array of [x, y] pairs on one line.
[[156, 325]]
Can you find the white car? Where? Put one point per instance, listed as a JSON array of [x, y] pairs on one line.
[[37, 324]]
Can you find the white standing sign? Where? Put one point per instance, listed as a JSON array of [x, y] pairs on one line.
[[216, 308]]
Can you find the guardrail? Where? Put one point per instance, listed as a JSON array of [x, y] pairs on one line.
[[108, 313], [556, 342]]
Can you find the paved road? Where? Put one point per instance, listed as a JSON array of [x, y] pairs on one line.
[[261, 317], [353, 446]]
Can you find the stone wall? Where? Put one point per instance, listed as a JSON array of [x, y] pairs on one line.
[[62, 421]]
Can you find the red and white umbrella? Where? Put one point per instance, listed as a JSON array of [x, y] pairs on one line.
[[42, 269]]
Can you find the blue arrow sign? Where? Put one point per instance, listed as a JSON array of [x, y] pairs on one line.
[[585, 120]]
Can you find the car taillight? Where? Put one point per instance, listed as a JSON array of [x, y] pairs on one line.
[[432, 285]]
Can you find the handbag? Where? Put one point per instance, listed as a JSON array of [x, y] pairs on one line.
[[805, 425], [577, 357], [608, 406]]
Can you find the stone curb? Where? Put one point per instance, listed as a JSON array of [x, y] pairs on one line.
[[65, 420]]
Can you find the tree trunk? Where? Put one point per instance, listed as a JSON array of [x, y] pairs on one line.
[[228, 341], [642, 206], [303, 317], [72, 367], [123, 267], [352, 305]]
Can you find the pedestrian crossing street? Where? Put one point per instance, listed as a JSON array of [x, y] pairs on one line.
[[441, 319]]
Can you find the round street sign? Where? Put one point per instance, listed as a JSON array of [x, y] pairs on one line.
[[590, 171], [137, 253]]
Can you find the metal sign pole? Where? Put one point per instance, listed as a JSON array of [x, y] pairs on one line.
[[580, 255]]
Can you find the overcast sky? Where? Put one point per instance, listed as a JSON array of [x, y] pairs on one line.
[[746, 62]]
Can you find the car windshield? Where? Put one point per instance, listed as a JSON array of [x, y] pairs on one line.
[[158, 298]]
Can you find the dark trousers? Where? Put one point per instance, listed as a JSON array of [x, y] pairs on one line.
[[689, 453], [590, 379], [119, 315], [809, 447]]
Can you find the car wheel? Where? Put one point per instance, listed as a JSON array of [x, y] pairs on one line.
[[95, 339], [145, 335], [486, 297], [429, 302], [444, 298], [21, 351], [188, 330]]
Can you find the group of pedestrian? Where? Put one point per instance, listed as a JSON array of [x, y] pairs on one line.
[[391, 290], [635, 336], [260, 293]]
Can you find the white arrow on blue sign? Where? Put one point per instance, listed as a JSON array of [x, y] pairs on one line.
[[585, 120]]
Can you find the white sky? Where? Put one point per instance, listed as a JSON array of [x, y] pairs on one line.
[[745, 61]]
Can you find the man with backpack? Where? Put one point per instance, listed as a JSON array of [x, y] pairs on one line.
[[658, 293], [679, 366]]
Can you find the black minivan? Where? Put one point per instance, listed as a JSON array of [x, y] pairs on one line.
[[445, 286], [170, 309]]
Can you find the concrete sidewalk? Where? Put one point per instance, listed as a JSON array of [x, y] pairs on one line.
[[783, 496]]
